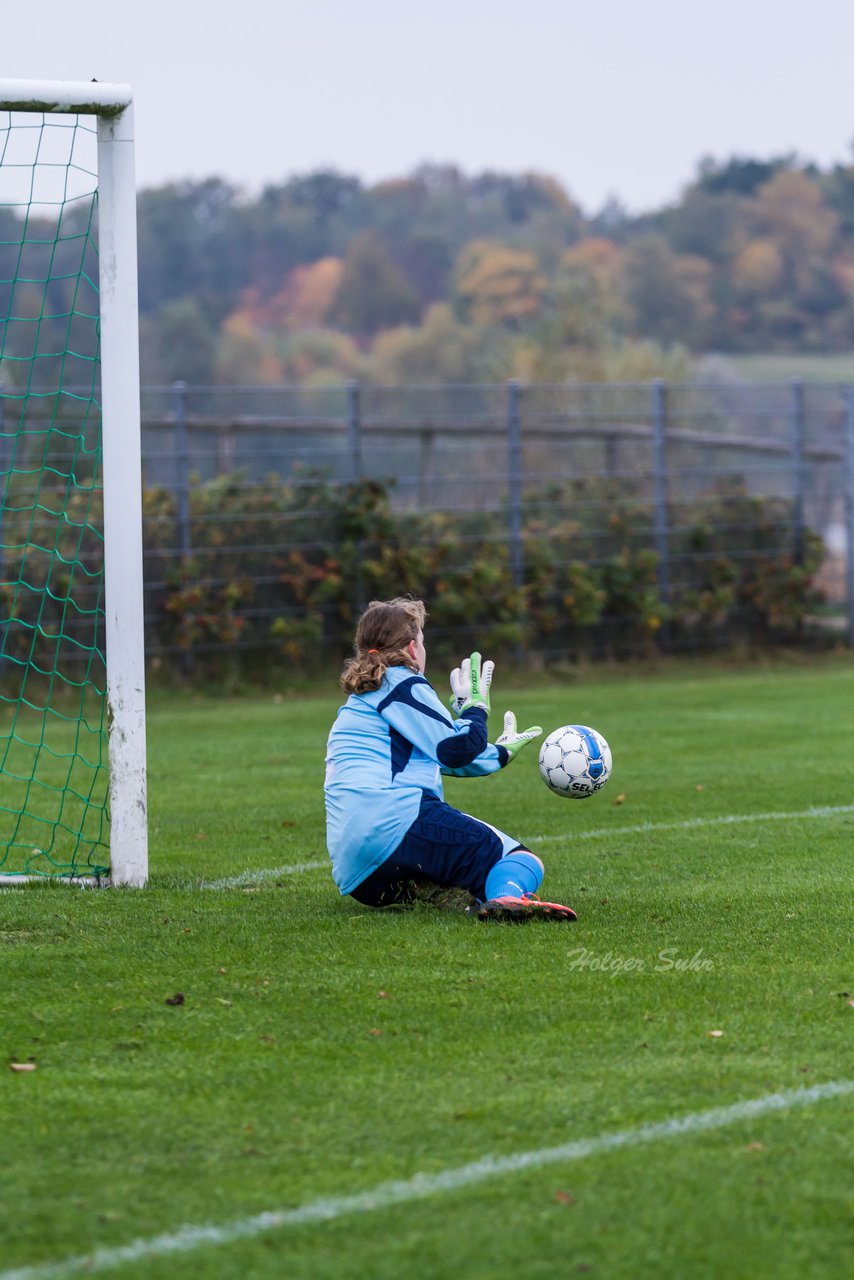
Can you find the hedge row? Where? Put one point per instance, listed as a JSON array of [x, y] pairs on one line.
[[276, 573], [281, 570]]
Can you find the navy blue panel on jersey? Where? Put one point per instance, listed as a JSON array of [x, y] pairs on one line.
[[459, 750], [443, 846], [401, 750], [405, 693]]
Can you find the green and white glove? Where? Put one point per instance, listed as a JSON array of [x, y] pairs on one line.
[[512, 740], [470, 684]]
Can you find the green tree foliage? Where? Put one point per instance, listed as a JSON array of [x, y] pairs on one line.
[[667, 292], [178, 342], [740, 175], [838, 189], [190, 245], [374, 293]]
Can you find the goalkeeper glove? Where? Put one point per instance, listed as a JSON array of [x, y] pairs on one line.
[[512, 740], [460, 686], [470, 684]]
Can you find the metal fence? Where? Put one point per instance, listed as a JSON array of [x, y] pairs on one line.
[[520, 469]]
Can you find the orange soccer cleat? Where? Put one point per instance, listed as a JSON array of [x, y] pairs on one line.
[[528, 907]]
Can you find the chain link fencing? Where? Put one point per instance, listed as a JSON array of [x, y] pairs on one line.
[[545, 521]]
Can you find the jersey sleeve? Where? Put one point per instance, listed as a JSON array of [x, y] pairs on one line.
[[459, 747], [489, 761]]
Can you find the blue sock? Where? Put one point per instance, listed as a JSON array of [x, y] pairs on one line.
[[516, 874]]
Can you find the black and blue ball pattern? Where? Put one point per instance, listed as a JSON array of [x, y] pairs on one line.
[[575, 761]]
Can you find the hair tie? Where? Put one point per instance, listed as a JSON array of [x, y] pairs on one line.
[[373, 651]]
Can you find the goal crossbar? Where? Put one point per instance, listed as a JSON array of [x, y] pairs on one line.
[[92, 97]]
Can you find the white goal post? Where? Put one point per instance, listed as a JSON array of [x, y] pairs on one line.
[[112, 105]]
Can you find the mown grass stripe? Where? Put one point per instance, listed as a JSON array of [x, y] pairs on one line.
[[388, 1194]]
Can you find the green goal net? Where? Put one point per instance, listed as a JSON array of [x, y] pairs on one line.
[[54, 775]]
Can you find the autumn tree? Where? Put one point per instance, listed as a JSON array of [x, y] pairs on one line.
[[442, 349], [756, 254], [789, 274], [497, 285], [588, 305], [245, 356], [319, 357], [303, 302]]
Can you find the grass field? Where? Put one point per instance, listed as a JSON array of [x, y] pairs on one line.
[[776, 367], [368, 1079]]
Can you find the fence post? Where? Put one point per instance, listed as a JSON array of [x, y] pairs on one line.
[[798, 473], [354, 450], [426, 466], [182, 463], [659, 473], [849, 508], [182, 489], [514, 500], [354, 431], [514, 481], [226, 448], [611, 443]]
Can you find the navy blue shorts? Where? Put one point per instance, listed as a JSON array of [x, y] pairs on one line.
[[443, 846]]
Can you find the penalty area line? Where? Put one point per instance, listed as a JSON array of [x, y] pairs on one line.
[[387, 1194], [689, 824], [248, 878]]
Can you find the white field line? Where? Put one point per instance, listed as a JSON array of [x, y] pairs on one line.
[[84, 882], [387, 1194], [248, 878], [731, 819], [265, 873], [689, 824]]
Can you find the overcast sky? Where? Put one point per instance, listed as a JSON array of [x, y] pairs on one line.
[[613, 97]]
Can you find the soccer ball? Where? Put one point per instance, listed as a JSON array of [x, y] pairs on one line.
[[575, 761]]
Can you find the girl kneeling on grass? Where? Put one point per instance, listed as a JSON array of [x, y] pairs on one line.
[[391, 836]]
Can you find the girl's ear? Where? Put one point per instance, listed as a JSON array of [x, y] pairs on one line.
[[410, 649]]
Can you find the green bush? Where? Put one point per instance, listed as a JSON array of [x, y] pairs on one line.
[[736, 572], [277, 573], [281, 571]]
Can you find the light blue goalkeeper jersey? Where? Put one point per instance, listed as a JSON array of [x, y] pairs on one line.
[[385, 749]]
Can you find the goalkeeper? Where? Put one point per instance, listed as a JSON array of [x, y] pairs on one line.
[[390, 834]]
